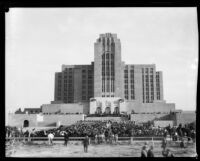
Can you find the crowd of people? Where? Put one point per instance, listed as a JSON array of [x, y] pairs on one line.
[[108, 129]]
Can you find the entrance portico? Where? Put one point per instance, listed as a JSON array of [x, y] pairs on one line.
[[107, 105]]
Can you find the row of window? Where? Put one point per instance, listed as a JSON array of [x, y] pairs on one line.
[[89, 87], [87, 76], [108, 74], [66, 73], [85, 92], [126, 92], [108, 96], [109, 86], [131, 71], [109, 46], [147, 70], [69, 98], [85, 71]]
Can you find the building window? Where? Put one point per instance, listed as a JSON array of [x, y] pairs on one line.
[[132, 97], [83, 92], [126, 86], [151, 70]]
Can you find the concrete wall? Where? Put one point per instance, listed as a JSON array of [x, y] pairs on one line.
[[97, 69], [185, 117], [149, 107], [162, 123], [47, 120], [86, 107], [62, 119], [139, 118], [18, 119], [117, 119], [66, 108], [138, 83], [119, 70]]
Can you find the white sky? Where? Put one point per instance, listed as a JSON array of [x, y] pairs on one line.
[[40, 40]]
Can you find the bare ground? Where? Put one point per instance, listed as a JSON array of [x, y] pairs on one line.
[[75, 149]]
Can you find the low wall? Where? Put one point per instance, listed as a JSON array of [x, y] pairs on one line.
[[162, 123], [139, 118], [18, 119], [117, 119], [43, 120], [66, 108], [185, 117], [161, 107]]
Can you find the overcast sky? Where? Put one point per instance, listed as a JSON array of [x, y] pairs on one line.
[[40, 40]]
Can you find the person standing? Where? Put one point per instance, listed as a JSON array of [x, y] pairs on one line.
[[106, 135], [86, 143], [50, 138], [164, 143], [116, 138], [96, 138], [144, 152], [150, 152], [66, 138]]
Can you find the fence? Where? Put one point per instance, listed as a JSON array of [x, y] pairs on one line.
[[80, 138]]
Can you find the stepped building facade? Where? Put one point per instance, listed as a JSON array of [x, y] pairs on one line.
[[108, 85]]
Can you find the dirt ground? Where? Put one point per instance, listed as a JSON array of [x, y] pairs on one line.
[[75, 149]]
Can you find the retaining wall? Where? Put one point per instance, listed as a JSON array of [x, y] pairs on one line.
[[139, 118], [185, 117], [118, 119], [44, 120]]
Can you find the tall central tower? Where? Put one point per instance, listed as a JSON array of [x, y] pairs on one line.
[[108, 67]]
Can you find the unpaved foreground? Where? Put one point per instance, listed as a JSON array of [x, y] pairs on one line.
[[75, 149]]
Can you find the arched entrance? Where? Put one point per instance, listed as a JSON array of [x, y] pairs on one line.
[[107, 110], [98, 110], [116, 110], [26, 123]]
